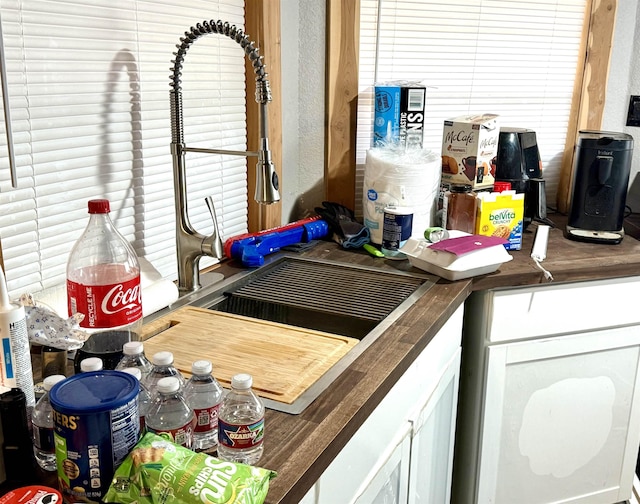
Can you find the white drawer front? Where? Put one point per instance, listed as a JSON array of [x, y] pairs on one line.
[[562, 308]]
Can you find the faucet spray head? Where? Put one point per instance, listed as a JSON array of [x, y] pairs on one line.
[[267, 183]]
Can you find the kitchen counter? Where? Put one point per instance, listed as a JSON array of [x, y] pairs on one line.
[[300, 447]]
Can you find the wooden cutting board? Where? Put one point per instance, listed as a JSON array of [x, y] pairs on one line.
[[283, 360]]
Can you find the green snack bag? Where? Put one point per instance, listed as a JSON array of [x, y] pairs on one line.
[[158, 471]]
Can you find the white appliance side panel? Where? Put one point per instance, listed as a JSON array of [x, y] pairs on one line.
[[561, 420], [546, 310]]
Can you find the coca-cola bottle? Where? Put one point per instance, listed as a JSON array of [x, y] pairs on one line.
[[103, 278]]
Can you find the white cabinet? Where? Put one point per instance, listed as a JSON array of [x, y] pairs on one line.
[[550, 396], [406, 444]]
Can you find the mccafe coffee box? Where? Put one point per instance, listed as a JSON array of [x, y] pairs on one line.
[[399, 115], [469, 143]]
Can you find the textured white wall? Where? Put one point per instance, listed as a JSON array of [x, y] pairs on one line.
[[624, 80], [303, 64]]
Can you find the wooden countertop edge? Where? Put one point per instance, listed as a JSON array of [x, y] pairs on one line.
[[301, 447]]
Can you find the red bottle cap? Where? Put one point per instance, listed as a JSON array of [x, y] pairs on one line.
[[98, 206], [501, 186]]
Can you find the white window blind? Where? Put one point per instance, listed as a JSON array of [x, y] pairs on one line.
[[89, 91], [515, 58]]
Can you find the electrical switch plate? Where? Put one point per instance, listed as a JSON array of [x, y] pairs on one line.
[[633, 117]]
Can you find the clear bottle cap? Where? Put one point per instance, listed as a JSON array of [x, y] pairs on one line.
[[134, 371], [201, 367], [132, 348], [168, 385], [50, 381], [163, 358], [91, 364], [242, 381]]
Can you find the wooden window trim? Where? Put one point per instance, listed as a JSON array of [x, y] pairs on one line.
[[262, 24], [342, 94]]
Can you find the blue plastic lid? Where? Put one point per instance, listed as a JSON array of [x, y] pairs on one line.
[[93, 392]]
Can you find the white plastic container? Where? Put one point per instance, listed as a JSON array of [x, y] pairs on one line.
[[451, 266]]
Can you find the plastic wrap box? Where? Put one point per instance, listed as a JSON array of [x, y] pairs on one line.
[[469, 143], [399, 115]]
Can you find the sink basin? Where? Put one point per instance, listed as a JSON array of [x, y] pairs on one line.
[[318, 295]]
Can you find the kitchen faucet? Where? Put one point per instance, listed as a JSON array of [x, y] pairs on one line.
[[190, 244]]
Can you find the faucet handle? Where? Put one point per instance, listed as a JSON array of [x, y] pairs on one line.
[[212, 245]]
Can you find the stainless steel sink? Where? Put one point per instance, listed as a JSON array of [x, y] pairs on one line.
[[322, 295]]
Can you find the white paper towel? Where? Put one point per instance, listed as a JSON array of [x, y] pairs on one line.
[[157, 292], [405, 178]]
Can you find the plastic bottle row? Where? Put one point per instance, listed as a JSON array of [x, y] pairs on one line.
[[195, 413]]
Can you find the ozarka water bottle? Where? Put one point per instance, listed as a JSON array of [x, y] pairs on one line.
[[170, 415], [203, 394], [42, 423], [103, 278], [241, 423]]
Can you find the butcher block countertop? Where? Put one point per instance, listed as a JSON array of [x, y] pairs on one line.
[[300, 447]]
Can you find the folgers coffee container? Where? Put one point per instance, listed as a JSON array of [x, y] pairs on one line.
[[96, 424]]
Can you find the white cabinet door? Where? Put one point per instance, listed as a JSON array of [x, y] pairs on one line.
[[389, 480], [432, 441], [561, 419], [354, 474]]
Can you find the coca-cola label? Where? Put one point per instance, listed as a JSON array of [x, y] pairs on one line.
[[240, 436], [206, 418], [105, 306]]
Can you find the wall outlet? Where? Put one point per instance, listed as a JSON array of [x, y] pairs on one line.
[[633, 116]]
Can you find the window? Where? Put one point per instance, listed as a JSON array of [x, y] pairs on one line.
[[89, 93], [514, 58]]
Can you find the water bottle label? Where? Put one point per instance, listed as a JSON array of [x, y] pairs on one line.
[[181, 436], [106, 306], [206, 418], [240, 436]]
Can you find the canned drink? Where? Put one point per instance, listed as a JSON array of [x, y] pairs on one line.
[[397, 225], [96, 424]]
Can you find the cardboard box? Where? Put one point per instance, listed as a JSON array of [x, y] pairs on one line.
[[501, 214], [469, 143], [399, 115]]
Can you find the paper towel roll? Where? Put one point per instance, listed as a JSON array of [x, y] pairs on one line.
[[406, 178]]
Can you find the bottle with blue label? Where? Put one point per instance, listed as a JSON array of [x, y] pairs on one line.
[[241, 423]]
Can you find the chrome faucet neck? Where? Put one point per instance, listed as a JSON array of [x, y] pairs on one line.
[[191, 245]]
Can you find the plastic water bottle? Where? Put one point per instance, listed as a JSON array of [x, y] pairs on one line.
[[241, 423], [42, 422], [133, 356], [144, 398], [91, 364], [203, 394], [103, 277], [162, 367], [170, 415]]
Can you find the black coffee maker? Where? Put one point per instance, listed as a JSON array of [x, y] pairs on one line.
[[601, 167], [518, 162]]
